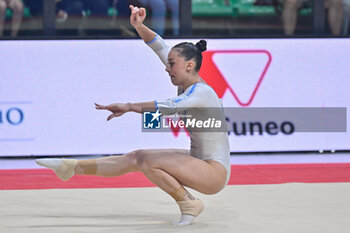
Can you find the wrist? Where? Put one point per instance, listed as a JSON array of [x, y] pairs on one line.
[[129, 107], [138, 26]]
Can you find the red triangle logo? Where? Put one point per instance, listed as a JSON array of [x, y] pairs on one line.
[[218, 65]]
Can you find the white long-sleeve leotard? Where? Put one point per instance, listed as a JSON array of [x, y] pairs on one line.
[[204, 145]]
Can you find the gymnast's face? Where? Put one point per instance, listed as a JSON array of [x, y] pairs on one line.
[[178, 68]]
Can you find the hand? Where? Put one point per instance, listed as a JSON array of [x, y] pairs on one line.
[[137, 16], [117, 109]]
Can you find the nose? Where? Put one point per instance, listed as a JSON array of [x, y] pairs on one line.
[[167, 68]]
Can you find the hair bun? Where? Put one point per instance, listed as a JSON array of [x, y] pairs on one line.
[[202, 45]]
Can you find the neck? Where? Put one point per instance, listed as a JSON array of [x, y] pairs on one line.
[[190, 82]]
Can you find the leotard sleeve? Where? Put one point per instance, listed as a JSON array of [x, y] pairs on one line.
[[193, 97], [159, 46]]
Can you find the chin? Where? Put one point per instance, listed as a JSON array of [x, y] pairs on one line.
[[174, 82]]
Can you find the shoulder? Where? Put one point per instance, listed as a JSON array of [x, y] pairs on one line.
[[205, 88], [207, 94]]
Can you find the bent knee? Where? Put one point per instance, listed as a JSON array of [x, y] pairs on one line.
[[133, 154], [143, 159]]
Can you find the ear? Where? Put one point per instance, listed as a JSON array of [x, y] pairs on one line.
[[190, 66]]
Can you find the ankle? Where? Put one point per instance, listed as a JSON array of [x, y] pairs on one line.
[[86, 167], [181, 194]]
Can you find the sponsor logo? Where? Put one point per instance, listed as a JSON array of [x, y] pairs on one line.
[[11, 116], [236, 72], [251, 128]]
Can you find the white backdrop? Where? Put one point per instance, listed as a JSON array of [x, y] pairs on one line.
[[55, 84]]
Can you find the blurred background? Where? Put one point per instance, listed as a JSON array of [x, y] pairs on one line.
[[174, 18]]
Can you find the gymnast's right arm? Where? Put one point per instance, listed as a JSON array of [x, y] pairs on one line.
[[118, 109], [154, 41]]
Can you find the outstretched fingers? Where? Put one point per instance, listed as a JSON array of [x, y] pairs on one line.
[[117, 109], [100, 106]]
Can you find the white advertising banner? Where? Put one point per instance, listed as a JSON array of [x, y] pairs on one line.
[[48, 90]]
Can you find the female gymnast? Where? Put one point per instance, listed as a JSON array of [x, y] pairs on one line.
[[204, 168]]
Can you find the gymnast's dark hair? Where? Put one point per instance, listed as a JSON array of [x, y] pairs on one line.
[[190, 51]]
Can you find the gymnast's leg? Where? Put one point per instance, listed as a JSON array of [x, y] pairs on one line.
[[170, 170], [110, 166]]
